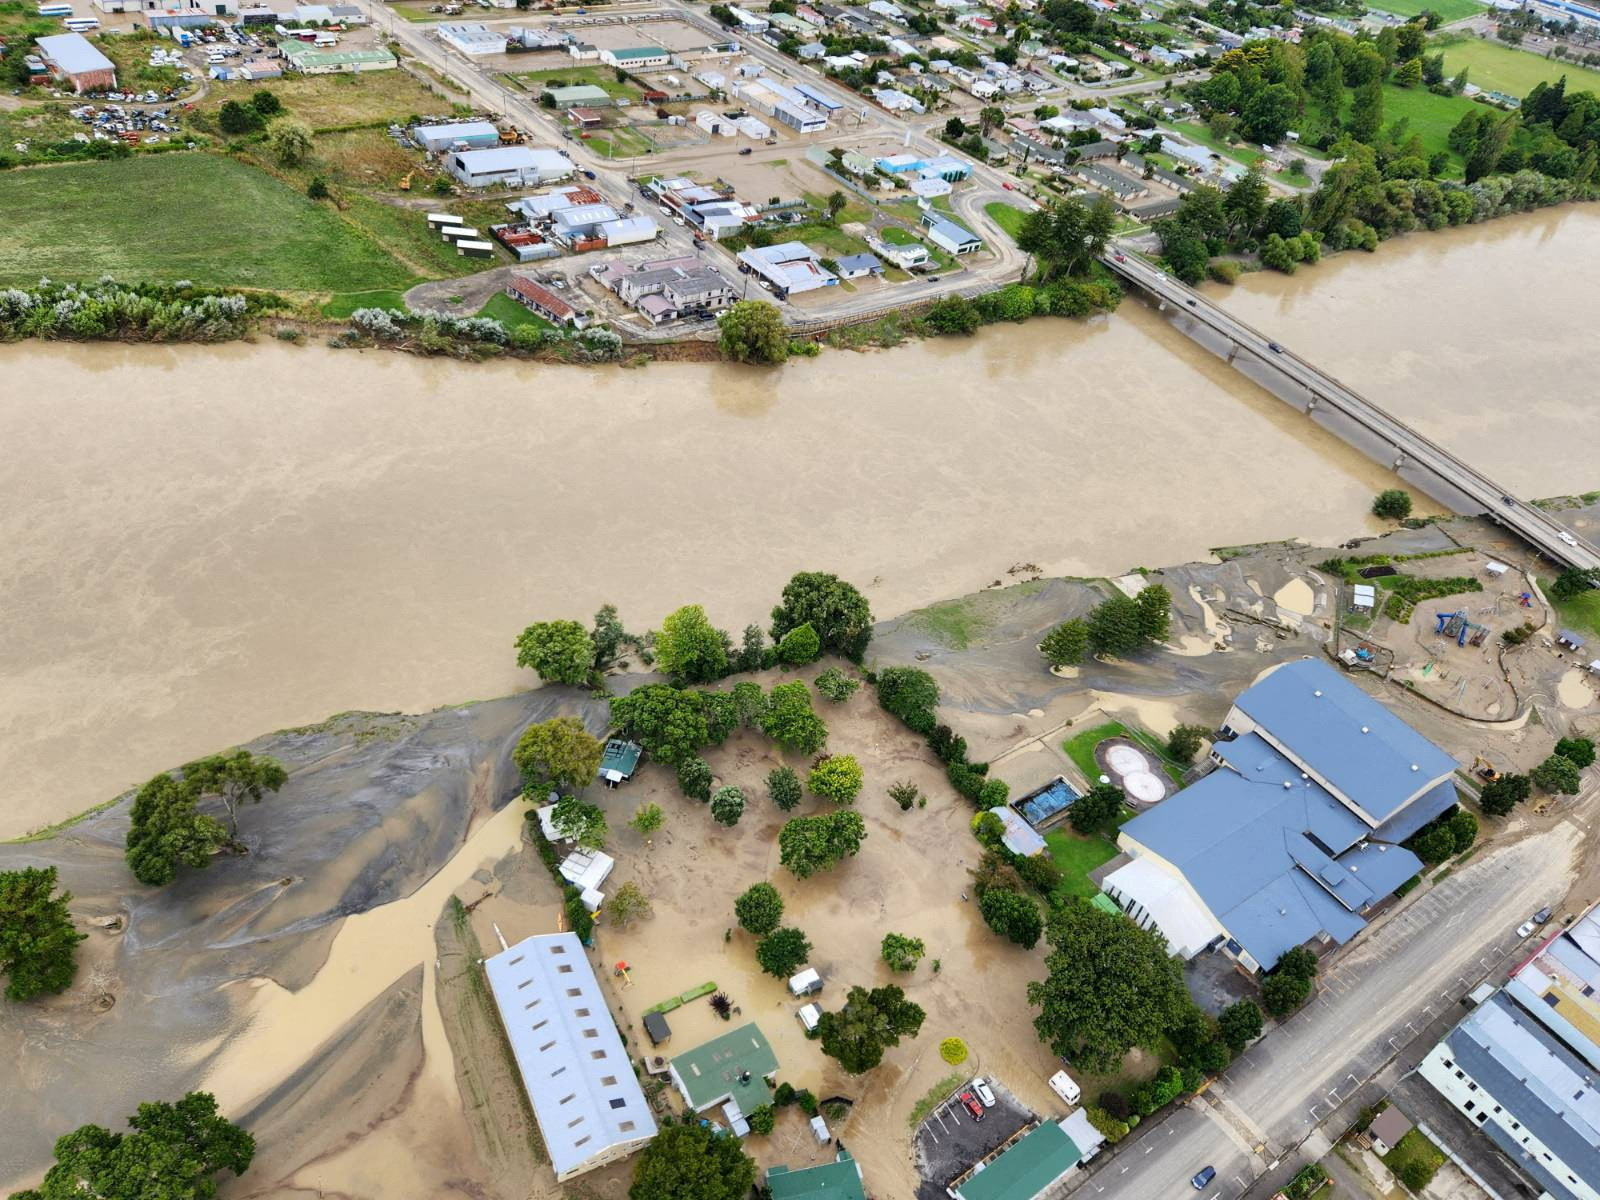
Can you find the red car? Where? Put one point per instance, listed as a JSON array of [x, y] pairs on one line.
[[970, 1103], [1007, 186]]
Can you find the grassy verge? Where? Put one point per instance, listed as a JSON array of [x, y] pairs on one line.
[[1581, 614], [620, 141], [1428, 116], [936, 1093], [511, 314], [240, 227], [597, 76], [1080, 749], [49, 831], [1077, 855], [1414, 1160], [345, 303], [1008, 216]]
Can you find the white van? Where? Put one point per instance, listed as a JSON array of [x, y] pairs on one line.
[[1064, 1086]]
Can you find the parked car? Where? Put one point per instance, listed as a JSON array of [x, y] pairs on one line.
[[1203, 1178], [1543, 915], [588, 175], [746, 150], [970, 1103], [985, 1092], [1526, 929], [1010, 187]]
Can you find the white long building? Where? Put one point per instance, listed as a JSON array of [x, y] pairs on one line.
[[574, 1067]]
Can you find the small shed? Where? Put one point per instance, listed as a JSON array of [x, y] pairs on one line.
[[819, 1130], [1495, 569], [806, 983], [1569, 639], [1363, 597], [1019, 837], [620, 761], [657, 1029], [1387, 1128]]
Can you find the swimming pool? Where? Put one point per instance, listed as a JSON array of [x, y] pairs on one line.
[[1040, 805]]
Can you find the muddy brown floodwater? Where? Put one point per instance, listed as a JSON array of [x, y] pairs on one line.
[[203, 543]]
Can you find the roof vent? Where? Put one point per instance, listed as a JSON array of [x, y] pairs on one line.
[[1318, 692], [1287, 784], [1364, 729], [1414, 766], [1283, 912]]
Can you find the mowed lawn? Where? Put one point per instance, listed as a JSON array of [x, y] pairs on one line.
[[1430, 117], [1008, 216], [201, 217], [1448, 10], [1077, 855], [1498, 68]]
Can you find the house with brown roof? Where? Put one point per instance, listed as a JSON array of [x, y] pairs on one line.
[[538, 299]]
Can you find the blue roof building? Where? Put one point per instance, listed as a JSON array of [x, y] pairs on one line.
[[1294, 837], [1522, 1065]]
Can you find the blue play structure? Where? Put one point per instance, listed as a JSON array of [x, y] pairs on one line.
[[1040, 805]]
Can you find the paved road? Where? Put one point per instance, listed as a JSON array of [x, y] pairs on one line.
[[1479, 492], [1412, 969]]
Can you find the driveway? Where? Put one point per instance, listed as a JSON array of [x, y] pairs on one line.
[[1214, 982], [949, 1141]]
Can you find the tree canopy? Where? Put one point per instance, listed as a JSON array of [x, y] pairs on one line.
[[1012, 915], [727, 805], [581, 821], [910, 694], [689, 648], [559, 651], [790, 721], [799, 646], [1240, 1024], [783, 785], [1500, 796], [1558, 774], [759, 908], [807, 845], [236, 777], [38, 944], [690, 1162], [1393, 504], [783, 952], [835, 610], [1096, 808], [1066, 235], [751, 331], [558, 754], [668, 723], [1112, 986], [166, 831], [868, 1024], [174, 1152], [901, 951], [1066, 644], [837, 777]]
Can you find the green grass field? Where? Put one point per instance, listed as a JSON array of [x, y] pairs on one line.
[[1448, 10], [1500, 68], [1080, 749], [511, 314], [226, 224], [601, 77], [1008, 216], [1430, 117], [346, 303], [1077, 855], [1581, 614], [619, 142]]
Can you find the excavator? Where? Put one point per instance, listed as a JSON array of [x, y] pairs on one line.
[[405, 184], [1484, 769]]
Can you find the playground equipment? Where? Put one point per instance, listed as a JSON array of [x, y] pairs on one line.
[[621, 971], [1526, 599], [1451, 624]]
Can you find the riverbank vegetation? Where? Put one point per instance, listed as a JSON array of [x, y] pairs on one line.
[[178, 312]]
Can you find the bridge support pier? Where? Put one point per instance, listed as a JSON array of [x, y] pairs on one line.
[[1312, 406], [1233, 352], [1400, 460]]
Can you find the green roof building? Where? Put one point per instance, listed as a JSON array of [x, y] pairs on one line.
[[310, 61], [1105, 904], [1026, 1169], [735, 1066], [838, 1180], [580, 93], [621, 760]]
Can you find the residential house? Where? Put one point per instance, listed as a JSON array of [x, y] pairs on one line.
[[667, 289], [1522, 1065], [541, 300], [1121, 188], [1387, 1128], [734, 1071], [838, 1180], [854, 266], [1294, 838], [575, 1071], [948, 236], [895, 100], [907, 257], [790, 267], [73, 59]]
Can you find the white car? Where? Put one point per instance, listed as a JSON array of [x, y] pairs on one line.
[[985, 1092], [1567, 538], [1526, 928]]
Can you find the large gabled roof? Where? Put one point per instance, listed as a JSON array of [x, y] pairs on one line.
[[74, 53], [1344, 736], [718, 1069], [1027, 1168]]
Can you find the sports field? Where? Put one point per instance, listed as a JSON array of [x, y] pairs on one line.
[[1448, 10], [1498, 68]]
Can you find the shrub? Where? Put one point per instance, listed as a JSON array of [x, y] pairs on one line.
[[910, 694], [783, 785], [953, 1050], [833, 683], [759, 909], [1112, 1129], [1392, 504], [993, 793], [904, 794], [1040, 872], [799, 646], [946, 745], [837, 777], [988, 828], [761, 1120], [727, 805], [1183, 743], [783, 952], [902, 953], [1013, 916], [806, 1101], [694, 779]]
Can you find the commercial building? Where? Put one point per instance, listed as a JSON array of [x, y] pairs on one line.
[[666, 289], [457, 134], [472, 38], [948, 236], [580, 93], [790, 267], [747, 21], [941, 166], [838, 1180], [1523, 1065], [734, 1071], [773, 99], [636, 58], [1034, 1163], [1294, 837], [714, 214], [514, 166], [73, 59], [309, 60], [574, 1067]]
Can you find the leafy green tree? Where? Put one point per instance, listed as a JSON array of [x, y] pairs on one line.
[[1392, 504], [721, 713], [799, 646], [838, 613], [166, 831], [1066, 236], [1116, 626], [1155, 612], [993, 793], [694, 779], [1409, 73], [1283, 218], [317, 189], [558, 754], [689, 648], [1111, 986], [910, 694], [559, 651], [1574, 582], [648, 819], [1577, 750], [1463, 827], [1183, 743], [173, 1152], [290, 142], [235, 119], [1268, 115], [1491, 145], [783, 952], [790, 721], [835, 685], [37, 940], [837, 777], [837, 203], [609, 638], [238, 777], [763, 1120], [751, 331], [752, 650], [901, 952], [1184, 249], [1557, 774], [1500, 796], [581, 821], [1066, 644], [1366, 111], [727, 805], [266, 103], [1097, 808], [1298, 961], [1433, 845], [783, 785], [690, 1162], [869, 1024], [1246, 202], [670, 724], [1012, 915], [628, 904], [1240, 1024], [759, 909], [953, 315], [807, 845], [749, 701], [1282, 994]]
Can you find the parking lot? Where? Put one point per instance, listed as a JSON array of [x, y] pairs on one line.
[[949, 1141]]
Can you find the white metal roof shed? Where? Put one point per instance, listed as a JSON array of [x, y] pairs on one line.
[[74, 53], [574, 1067]]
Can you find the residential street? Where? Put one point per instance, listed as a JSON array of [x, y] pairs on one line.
[[1410, 971]]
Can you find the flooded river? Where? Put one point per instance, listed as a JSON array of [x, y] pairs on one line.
[[203, 544]]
